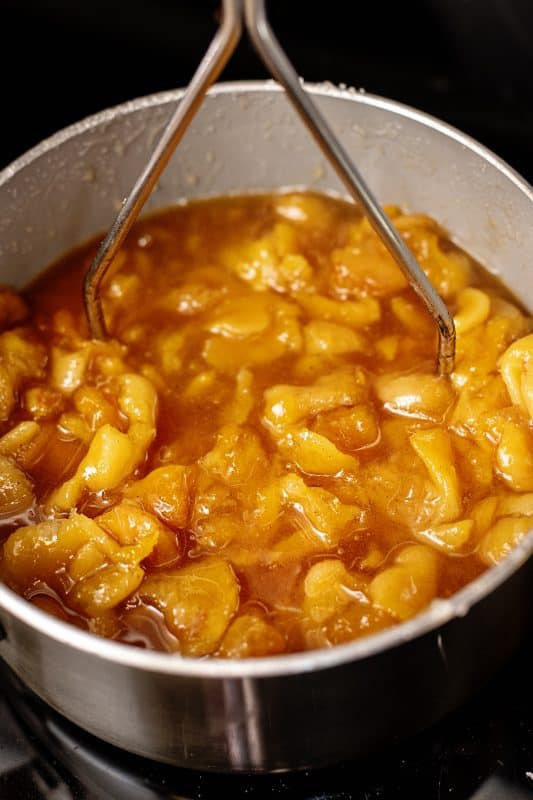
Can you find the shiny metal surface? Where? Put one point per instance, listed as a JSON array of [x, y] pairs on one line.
[[316, 707], [280, 68], [210, 67]]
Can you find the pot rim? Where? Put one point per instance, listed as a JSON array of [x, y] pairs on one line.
[[437, 614]]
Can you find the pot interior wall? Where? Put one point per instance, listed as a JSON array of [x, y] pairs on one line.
[[247, 137]]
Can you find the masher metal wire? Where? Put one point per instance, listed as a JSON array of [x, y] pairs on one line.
[[253, 14]]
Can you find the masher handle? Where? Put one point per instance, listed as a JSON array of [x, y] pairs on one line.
[[281, 69]]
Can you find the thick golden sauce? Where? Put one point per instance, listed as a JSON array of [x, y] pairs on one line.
[[261, 458]]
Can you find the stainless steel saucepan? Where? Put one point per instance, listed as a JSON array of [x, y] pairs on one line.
[[310, 708]]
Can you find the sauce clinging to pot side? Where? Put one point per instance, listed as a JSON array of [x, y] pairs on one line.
[[261, 458]]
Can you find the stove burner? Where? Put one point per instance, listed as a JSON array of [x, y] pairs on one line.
[[484, 751]]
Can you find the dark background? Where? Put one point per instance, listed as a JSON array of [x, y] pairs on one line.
[[469, 62]]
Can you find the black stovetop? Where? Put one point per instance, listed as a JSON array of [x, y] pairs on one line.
[[484, 751]]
